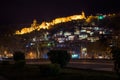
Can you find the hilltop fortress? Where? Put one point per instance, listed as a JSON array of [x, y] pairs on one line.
[[47, 25]]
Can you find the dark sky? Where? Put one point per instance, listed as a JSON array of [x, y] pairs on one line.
[[24, 11]]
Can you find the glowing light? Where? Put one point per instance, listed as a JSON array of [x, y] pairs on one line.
[[31, 55], [75, 55], [100, 17], [48, 25]]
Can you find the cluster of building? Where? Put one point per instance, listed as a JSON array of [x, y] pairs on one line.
[[91, 34], [74, 40]]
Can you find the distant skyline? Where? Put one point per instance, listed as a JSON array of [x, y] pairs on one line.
[[24, 11]]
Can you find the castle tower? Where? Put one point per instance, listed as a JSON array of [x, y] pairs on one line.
[[83, 15], [35, 21], [34, 24]]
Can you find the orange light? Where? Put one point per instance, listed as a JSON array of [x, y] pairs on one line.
[[47, 25]]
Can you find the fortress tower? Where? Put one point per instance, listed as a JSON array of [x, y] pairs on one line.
[[34, 24], [83, 15]]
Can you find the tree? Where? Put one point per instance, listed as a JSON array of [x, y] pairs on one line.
[[97, 48], [61, 57], [114, 24], [116, 58], [19, 58]]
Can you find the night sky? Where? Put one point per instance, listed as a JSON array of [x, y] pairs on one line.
[[24, 11]]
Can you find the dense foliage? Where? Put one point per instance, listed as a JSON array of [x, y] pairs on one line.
[[61, 57], [116, 57], [19, 58]]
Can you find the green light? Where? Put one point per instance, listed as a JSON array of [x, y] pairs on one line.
[[100, 17], [49, 44]]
